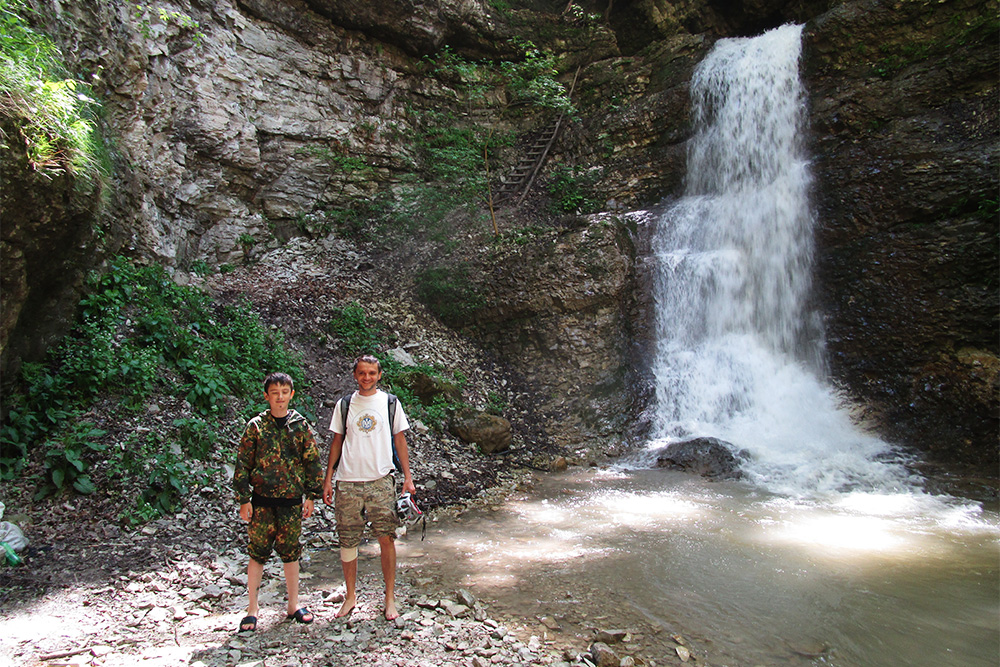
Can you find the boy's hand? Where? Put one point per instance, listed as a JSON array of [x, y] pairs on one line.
[[307, 508], [328, 492], [246, 511]]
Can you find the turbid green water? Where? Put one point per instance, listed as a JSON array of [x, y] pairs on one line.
[[745, 577]]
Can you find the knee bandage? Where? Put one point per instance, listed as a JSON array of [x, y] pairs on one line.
[[348, 554]]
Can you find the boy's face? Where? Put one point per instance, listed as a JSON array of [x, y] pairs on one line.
[[278, 397], [367, 376]]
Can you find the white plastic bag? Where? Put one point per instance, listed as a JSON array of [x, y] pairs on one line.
[[12, 535]]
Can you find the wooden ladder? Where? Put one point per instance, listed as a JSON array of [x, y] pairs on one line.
[[518, 183]]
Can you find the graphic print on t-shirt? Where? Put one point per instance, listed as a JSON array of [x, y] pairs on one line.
[[366, 423]]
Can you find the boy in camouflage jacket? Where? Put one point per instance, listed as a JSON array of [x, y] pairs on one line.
[[276, 464]]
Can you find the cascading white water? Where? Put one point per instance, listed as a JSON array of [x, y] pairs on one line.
[[739, 349]]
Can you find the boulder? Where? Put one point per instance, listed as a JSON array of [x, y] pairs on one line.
[[709, 457], [490, 432]]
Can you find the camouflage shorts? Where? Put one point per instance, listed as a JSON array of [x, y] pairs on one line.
[[277, 527], [359, 502]]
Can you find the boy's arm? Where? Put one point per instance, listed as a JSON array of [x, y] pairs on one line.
[[311, 467], [245, 461], [404, 461], [336, 447]]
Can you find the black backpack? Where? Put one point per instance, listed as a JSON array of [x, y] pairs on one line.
[[346, 400]]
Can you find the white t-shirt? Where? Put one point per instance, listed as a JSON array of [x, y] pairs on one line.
[[367, 450]]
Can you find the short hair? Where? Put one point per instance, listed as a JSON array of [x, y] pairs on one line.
[[368, 359], [278, 378]]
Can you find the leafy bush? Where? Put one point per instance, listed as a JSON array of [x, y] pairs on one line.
[[196, 437], [573, 189], [168, 481], [165, 475], [396, 378], [147, 14], [356, 333], [495, 403], [64, 461], [360, 219], [208, 386], [138, 333], [202, 268]]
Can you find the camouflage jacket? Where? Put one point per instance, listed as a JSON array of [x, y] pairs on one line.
[[278, 462]]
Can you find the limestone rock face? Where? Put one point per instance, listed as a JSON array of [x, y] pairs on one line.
[[558, 310], [906, 163], [226, 125], [419, 28]]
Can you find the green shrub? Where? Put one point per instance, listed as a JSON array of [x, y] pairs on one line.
[[146, 15], [196, 437], [139, 513], [397, 379], [165, 476], [65, 463], [138, 334], [495, 403], [246, 243], [167, 481], [357, 334], [208, 387], [202, 268], [573, 189]]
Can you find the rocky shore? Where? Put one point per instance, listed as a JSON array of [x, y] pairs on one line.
[[172, 591]]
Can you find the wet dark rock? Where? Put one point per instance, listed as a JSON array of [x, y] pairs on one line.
[[906, 158], [709, 457]]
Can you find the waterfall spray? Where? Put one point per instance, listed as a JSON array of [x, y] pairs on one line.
[[740, 354]]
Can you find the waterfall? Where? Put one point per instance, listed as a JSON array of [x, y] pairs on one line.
[[740, 349]]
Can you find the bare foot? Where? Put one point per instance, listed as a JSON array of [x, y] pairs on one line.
[[390, 610], [346, 608]]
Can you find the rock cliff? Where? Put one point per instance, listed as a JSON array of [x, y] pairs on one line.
[[225, 116], [904, 115]]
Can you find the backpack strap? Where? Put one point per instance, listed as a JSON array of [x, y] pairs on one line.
[[392, 438], [345, 405]]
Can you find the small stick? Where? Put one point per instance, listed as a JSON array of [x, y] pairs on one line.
[[64, 654]]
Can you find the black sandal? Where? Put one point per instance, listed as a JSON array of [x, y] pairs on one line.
[[248, 620], [301, 614]]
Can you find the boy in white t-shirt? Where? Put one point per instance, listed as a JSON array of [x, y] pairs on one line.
[[365, 487]]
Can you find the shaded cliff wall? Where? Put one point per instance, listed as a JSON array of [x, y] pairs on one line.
[[219, 115], [217, 129], [904, 111], [46, 232]]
